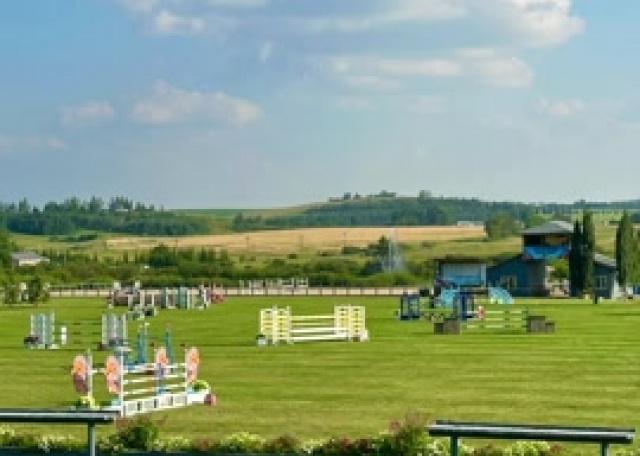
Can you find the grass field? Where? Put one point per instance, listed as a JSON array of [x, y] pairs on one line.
[[587, 373]]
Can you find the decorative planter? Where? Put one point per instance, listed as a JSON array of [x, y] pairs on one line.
[[536, 324], [447, 326]]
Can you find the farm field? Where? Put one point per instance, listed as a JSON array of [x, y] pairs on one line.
[[286, 241], [587, 373], [425, 242]]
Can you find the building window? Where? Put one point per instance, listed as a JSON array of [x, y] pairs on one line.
[[602, 282], [509, 282]]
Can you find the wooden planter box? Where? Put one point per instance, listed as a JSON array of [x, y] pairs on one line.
[[447, 326], [536, 324]]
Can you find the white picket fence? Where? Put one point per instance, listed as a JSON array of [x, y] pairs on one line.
[[61, 292]]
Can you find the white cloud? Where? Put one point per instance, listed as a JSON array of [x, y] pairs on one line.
[[543, 22], [20, 144], [496, 69], [265, 52], [560, 108], [535, 23], [426, 10], [169, 105], [486, 65], [146, 6], [385, 74], [411, 67], [168, 23], [89, 113], [371, 82], [238, 3], [138, 6], [396, 11]]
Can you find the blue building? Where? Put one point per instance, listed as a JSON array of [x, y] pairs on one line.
[[528, 273]]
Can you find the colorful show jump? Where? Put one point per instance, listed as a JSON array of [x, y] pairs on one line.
[[142, 388]]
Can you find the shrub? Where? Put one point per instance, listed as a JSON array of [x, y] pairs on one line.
[[49, 443], [138, 434], [241, 442], [7, 435], [634, 452], [86, 402], [311, 446], [409, 436], [488, 450], [282, 445], [201, 385], [172, 445], [528, 449], [337, 447], [352, 250]]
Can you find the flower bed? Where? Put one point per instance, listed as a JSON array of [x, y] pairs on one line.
[[140, 437]]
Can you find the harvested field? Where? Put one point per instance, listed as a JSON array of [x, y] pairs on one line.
[[283, 241]]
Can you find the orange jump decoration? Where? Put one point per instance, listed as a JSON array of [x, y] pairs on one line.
[[80, 374], [162, 361], [112, 374], [192, 361]]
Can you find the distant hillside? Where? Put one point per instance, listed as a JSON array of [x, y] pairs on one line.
[[121, 215], [387, 209]]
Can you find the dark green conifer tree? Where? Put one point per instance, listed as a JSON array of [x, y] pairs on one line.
[[575, 261], [626, 251], [588, 252]]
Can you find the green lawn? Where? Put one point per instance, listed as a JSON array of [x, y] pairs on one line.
[[588, 373]]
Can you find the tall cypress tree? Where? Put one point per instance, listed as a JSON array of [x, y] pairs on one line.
[[575, 261], [589, 251], [634, 277], [5, 248], [626, 251]]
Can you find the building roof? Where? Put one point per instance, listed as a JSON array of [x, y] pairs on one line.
[[460, 259], [604, 260], [27, 256], [598, 258], [553, 227]]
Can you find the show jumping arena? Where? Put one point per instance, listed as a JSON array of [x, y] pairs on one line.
[[587, 372]]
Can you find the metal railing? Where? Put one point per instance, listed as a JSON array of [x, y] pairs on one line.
[[89, 418], [603, 436]]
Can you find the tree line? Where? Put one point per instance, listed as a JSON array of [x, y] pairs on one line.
[[118, 215], [388, 209], [168, 266]]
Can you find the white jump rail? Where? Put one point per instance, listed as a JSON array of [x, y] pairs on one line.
[[498, 319], [347, 323]]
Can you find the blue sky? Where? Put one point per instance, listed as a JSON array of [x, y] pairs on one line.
[[254, 103]]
